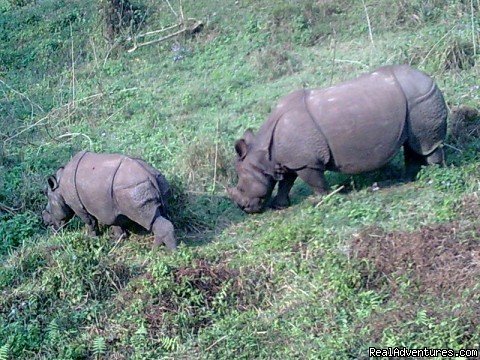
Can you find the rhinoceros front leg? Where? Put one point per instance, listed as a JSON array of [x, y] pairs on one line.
[[315, 178], [90, 221], [282, 199], [163, 231]]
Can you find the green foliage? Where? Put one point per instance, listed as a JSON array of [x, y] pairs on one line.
[[16, 229], [4, 352], [99, 347]]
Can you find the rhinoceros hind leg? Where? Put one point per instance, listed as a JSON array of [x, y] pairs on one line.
[[436, 158], [118, 232], [315, 178], [282, 199], [163, 231], [414, 161]]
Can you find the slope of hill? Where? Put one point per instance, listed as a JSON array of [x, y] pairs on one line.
[[326, 278]]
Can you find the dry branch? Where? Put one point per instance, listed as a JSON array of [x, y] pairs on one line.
[[190, 29], [56, 110], [329, 196], [22, 95], [8, 209], [157, 31], [368, 22]]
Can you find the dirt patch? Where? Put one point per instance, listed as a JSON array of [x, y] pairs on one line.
[[191, 296], [440, 264], [440, 260]]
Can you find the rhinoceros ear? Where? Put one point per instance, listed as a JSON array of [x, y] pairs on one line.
[[241, 145], [241, 148], [52, 182], [248, 136]]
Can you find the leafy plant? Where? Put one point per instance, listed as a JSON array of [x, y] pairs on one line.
[[99, 346], [4, 352]]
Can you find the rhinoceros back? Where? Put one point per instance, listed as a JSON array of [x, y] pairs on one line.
[[111, 185], [362, 120]]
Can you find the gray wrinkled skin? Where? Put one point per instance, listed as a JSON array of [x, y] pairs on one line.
[[110, 189], [353, 127]]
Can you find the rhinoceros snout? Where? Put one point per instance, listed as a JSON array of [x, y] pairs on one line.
[[249, 205], [236, 197], [46, 217]]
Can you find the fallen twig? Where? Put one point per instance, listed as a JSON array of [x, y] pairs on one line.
[[192, 29], [215, 343], [171, 8], [72, 135], [157, 31], [216, 159], [368, 23], [9, 209], [27, 128], [22, 95], [453, 147], [136, 46], [329, 196], [54, 111]]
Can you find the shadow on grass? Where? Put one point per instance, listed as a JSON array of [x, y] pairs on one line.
[[199, 217]]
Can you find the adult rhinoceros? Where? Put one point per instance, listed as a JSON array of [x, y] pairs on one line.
[[353, 127]]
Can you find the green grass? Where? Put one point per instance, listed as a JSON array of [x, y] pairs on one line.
[[291, 283]]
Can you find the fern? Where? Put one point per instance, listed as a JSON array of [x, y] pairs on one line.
[[169, 343], [99, 346], [4, 352], [53, 331]]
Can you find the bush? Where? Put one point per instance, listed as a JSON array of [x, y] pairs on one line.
[[17, 228]]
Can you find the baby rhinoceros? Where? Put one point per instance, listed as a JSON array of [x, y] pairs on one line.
[[353, 127], [111, 189]]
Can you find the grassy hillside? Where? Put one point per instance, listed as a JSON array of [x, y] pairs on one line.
[[325, 278]]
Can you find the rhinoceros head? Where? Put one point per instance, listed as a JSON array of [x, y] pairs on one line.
[[255, 183], [57, 212]]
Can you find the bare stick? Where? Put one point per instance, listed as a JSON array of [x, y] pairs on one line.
[[22, 95], [117, 242], [368, 22], [72, 135], [473, 30], [8, 208], [54, 111], [329, 196], [453, 147], [182, 16], [73, 68], [351, 62], [27, 128], [157, 31], [171, 8], [216, 159], [158, 40], [92, 44], [215, 343], [333, 58]]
